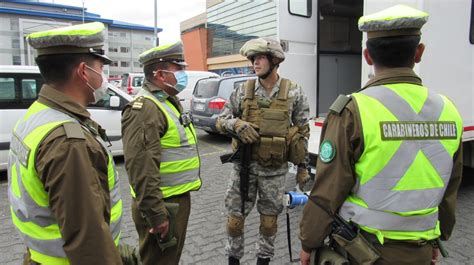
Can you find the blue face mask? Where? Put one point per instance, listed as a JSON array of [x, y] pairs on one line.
[[181, 80]]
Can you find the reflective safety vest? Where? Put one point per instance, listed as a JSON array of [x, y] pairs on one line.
[[410, 138], [29, 201], [180, 163]]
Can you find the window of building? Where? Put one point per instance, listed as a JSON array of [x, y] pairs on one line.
[[123, 34], [147, 38], [16, 60], [113, 49], [15, 43], [14, 25], [124, 64], [114, 64], [300, 7], [124, 49]]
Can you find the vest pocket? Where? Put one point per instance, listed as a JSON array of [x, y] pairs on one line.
[[278, 151], [273, 122], [264, 151]]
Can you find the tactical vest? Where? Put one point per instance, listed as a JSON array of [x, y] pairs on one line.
[[180, 163], [29, 201], [410, 137], [274, 122]]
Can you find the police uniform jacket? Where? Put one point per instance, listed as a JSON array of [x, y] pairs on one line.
[[335, 180]]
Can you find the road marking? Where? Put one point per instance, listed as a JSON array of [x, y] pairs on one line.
[[214, 153]]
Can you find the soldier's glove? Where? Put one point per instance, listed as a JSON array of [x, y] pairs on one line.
[[302, 177], [246, 131]]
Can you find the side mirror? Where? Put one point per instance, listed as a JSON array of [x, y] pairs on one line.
[[114, 102]]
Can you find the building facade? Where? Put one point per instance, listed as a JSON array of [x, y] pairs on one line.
[[18, 18], [228, 25]]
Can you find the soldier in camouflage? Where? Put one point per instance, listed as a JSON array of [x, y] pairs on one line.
[[270, 113]]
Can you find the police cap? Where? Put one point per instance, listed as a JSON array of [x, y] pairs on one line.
[[83, 38], [399, 20], [172, 53]]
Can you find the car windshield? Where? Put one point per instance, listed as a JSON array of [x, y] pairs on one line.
[[137, 81], [206, 88]]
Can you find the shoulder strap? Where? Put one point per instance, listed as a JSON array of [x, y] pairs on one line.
[[73, 130], [138, 103], [284, 89], [249, 88], [340, 103]]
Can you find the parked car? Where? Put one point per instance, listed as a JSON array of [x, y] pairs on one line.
[[209, 98], [132, 82], [187, 94], [19, 88]]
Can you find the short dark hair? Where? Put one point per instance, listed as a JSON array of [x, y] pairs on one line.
[[397, 51], [150, 68], [57, 68]]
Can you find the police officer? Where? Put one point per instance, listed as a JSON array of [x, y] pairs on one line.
[[270, 113], [390, 158], [161, 155], [63, 186]]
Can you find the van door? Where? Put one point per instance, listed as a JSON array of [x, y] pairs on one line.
[[297, 32]]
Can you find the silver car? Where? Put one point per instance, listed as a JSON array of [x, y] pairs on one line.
[[209, 98]]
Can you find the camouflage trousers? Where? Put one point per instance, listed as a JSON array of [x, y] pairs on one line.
[[270, 190]]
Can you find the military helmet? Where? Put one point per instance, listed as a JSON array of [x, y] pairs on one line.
[[259, 46]]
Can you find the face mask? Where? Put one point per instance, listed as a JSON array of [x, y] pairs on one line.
[[101, 91], [181, 80]]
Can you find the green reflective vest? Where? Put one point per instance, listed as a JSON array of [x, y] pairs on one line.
[[29, 201], [180, 163], [410, 137]]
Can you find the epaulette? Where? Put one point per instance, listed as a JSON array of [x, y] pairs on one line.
[[340, 103], [73, 130], [138, 103]]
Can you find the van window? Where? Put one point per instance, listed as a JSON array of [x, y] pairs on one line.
[[206, 88], [28, 88], [471, 29], [300, 7], [18, 91], [7, 89]]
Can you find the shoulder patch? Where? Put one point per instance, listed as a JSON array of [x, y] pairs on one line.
[[138, 103], [327, 151], [340, 103], [73, 130]]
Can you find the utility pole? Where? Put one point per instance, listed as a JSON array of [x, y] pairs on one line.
[[83, 11], [155, 33]]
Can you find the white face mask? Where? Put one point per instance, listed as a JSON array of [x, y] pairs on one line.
[[101, 91]]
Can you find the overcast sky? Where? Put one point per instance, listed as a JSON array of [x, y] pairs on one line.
[[170, 12]]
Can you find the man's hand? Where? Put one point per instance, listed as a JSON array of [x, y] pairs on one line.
[[304, 257], [246, 131], [435, 256], [302, 177], [162, 229]]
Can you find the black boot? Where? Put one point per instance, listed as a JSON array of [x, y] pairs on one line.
[[233, 261], [262, 261]]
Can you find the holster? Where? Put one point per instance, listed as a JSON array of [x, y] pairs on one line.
[[359, 249], [170, 239], [327, 256]]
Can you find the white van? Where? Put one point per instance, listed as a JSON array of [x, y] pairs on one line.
[[187, 94], [19, 88]]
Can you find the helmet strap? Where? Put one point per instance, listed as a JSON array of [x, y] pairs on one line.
[[272, 66]]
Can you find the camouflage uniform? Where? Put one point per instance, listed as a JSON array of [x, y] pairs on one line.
[[268, 182]]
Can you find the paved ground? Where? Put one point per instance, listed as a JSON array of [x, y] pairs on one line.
[[206, 231]]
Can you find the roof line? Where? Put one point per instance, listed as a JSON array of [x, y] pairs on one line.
[[110, 22]]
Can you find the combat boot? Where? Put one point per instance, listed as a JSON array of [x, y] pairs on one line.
[[233, 261], [262, 261]]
